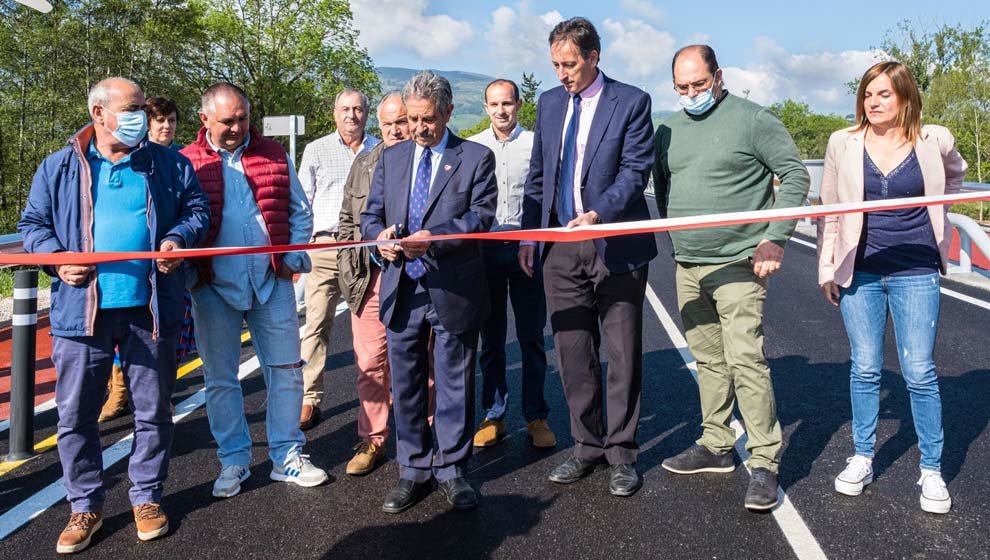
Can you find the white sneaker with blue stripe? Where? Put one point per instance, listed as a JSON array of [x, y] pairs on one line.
[[228, 484], [298, 470]]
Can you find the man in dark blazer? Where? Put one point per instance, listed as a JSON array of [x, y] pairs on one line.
[[435, 184], [587, 170]]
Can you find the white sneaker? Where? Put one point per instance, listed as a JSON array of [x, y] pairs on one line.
[[299, 470], [228, 484], [934, 495], [857, 474]]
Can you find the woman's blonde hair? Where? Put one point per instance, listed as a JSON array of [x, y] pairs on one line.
[[906, 89]]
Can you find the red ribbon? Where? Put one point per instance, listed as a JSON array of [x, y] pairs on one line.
[[556, 235]]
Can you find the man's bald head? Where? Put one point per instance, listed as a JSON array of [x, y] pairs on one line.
[[110, 90], [699, 54]]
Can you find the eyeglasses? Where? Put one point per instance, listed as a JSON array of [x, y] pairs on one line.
[[700, 85]]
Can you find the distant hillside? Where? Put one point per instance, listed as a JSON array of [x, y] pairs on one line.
[[469, 92]]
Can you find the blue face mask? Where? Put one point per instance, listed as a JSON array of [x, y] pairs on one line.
[[700, 103], [131, 127]]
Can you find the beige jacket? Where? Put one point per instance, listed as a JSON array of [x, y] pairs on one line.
[[355, 264], [838, 236]]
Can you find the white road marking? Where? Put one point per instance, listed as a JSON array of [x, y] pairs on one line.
[[32, 507], [945, 291], [796, 532]]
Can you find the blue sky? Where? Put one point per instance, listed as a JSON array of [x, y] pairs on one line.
[[773, 50]]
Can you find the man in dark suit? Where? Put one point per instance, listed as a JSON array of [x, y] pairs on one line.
[[436, 184], [591, 155]]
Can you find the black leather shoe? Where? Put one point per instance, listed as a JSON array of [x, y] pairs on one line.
[[572, 470], [623, 480], [459, 493], [405, 495]]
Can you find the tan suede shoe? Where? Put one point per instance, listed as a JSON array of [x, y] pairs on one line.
[[489, 433], [541, 434], [366, 457], [151, 521], [116, 404], [308, 416], [77, 534]]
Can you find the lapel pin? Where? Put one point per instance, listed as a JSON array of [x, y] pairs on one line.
[[446, 167]]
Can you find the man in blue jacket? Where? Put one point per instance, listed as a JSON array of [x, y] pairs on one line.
[[591, 155], [111, 189]]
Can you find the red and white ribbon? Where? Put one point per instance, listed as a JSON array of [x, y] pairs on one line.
[[557, 235]]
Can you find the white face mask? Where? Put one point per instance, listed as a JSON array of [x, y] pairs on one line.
[[131, 127], [700, 103]]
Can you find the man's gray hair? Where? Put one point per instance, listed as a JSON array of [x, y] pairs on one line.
[[101, 93], [385, 98], [346, 91], [427, 85], [208, 101]]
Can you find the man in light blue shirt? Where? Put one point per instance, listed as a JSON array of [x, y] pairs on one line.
[[255, 200]]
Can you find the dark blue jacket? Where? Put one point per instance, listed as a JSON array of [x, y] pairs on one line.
[[462, 200], [617, 160], [59, 217]]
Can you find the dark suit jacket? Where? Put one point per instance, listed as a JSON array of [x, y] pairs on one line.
[[617, 160], [462, 200]]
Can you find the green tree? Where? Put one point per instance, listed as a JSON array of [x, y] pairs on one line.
[[291, 57], [809, 130], [469, 132]]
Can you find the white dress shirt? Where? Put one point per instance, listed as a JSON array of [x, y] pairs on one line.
[[435, 156], [589, 103], [323, 172], [511, 168]]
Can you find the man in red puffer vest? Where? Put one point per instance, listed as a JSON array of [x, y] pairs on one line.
[[255, 200]]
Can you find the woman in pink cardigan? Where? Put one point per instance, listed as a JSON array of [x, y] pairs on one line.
[[889, 261]]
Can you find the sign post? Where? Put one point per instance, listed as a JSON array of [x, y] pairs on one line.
[[291, 126]]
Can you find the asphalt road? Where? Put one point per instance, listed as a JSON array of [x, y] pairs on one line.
[[523, 515]]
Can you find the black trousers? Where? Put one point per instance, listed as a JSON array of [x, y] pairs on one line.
[[589, 305]]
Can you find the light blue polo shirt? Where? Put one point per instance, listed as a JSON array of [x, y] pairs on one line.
[[120, 223]]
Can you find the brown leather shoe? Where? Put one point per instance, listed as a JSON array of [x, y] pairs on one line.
[[366, 457], [116, 403], [151, 521], [541, 434], [77, 534], [489, 433], [309, 416]]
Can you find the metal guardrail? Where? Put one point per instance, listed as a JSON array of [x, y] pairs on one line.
[[970, 232], [11, 243]]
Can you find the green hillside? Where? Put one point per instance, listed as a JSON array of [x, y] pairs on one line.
[[469, 93]]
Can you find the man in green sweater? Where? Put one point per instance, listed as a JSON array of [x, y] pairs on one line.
[[720, 154]]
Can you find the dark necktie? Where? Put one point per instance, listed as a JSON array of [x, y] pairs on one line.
[[565, 184], [420, 193]]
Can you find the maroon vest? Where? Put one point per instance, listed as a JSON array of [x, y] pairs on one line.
[[267, 171]]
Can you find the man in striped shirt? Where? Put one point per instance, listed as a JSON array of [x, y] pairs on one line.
[[323, 172]]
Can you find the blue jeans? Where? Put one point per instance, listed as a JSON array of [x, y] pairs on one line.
[[913, 302], [274, 328], [507, 280], [83, 364]]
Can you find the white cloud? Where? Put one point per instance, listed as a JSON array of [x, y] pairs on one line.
[[518, 40], [636, 52], [818, 79], [644, 9], [403, 24]]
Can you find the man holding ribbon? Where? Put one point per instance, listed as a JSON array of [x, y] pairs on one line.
[[111, 189], [437, 184], [590, 160], [721, 153], [256, 199]]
